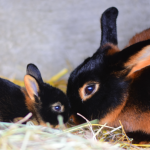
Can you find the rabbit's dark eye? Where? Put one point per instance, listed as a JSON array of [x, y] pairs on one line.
[[89, 89], [57, 108]]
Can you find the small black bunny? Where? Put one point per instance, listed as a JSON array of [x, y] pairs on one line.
[[44, 101], [114, 85]]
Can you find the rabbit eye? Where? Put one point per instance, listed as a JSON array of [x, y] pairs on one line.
[[57, 107], [89, 89]]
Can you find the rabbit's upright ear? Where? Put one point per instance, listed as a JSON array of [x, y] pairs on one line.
[[136, 57], [108, 26], [32, 70], [32, 86], [33, 102], [32, 81]]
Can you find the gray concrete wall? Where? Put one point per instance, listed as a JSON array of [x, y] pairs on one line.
[[55, 34]]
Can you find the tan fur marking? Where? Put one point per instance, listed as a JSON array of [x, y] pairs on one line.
[[27, 81], [28, 101], [30, 104], [112, 116], [76, 121], [39, 122], [144, 142], [136, 74], [114, 49], [132, 76], [55, 127], [36, 119], [133, 120], [17, 119], [142, 36], [82, 93], [139, 61]]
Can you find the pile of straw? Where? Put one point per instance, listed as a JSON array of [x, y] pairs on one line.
[[30, 137]]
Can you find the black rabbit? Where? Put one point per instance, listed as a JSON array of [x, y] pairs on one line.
[[44, 101], [114, 85]]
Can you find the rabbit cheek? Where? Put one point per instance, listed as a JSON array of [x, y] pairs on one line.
[[50, 113], [111, 116]]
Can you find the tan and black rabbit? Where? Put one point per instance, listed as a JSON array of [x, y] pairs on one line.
[[44, 101], [114, 85]]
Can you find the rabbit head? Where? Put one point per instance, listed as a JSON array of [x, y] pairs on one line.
[[46, 102], [90, 84], [98, 87]]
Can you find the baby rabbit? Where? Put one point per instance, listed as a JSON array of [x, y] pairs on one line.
[[114, 85], [44, 101]]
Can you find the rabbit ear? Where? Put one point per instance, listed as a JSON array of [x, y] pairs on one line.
[[32, 90], [34, 71], [32, 86], [108, 26], [136, 57]]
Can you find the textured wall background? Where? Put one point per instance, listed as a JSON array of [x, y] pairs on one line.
[[55, 33]]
